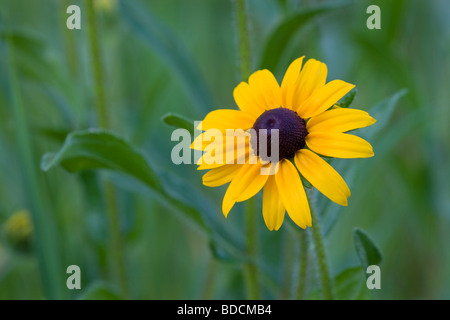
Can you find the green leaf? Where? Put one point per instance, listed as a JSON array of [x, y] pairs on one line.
[[282, 34], [382, 112], [94, 149], [305, 182], [367, 250], [31, 51], [55, 134], [178, 121], [224, 255], [168, 47], [282, 4], [350, 284], [25, 41], [99, 291], [348, 98], [100, 149]]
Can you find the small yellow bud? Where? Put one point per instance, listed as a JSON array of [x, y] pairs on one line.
[[18, 230], [105, 5]]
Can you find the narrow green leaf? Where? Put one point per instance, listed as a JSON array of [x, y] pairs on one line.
[[55, 134], [224, 255], [99, 291], [93, 149], [168, 47], [282, 34], [31, 54], [178, 121], [382, 112], [367, 250]]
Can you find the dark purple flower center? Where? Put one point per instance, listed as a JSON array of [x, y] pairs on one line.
[[291, 133]]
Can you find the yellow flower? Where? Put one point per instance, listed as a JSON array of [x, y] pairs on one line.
[[308, 126], [19, 229], [105, 5]]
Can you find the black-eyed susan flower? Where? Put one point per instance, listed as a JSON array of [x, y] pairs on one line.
[[308, 128]]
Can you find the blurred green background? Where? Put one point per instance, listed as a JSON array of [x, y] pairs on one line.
[[182, 57]]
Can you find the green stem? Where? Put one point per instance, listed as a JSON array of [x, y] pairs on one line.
[[109, 190], [251, 223], [304, 257], [96, 64], [243, 37], [324, 272], [70, 43], [116, 239], [250, 267], [210, 281], [46, 236]]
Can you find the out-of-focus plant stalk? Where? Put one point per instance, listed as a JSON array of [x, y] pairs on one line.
[[303, 239], [97, 65], [251, 269], [46, 237], [243, 38], [324, 272], [69, 41], [251, 223], [109, 190]]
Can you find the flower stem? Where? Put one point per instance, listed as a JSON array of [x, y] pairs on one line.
[[70, 42], [324, 272], [96, 64], [250, 268], [243, 38], [109, 190], [251, 223], [304, 257]]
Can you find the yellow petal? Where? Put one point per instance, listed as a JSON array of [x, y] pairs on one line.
[[339, 145], [324, 98], [322, 176], [246, 101], [228, 201], [273, 209], [246, 183], [205, 166], [293, 194], [251, 182], [265, 89], [203, 140], [223, 119], [312, 77], [228, 150], [241, 156], [289, 84], [220, 176], [339, 120]]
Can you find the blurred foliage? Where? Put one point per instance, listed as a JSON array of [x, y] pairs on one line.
[[168, 61]]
